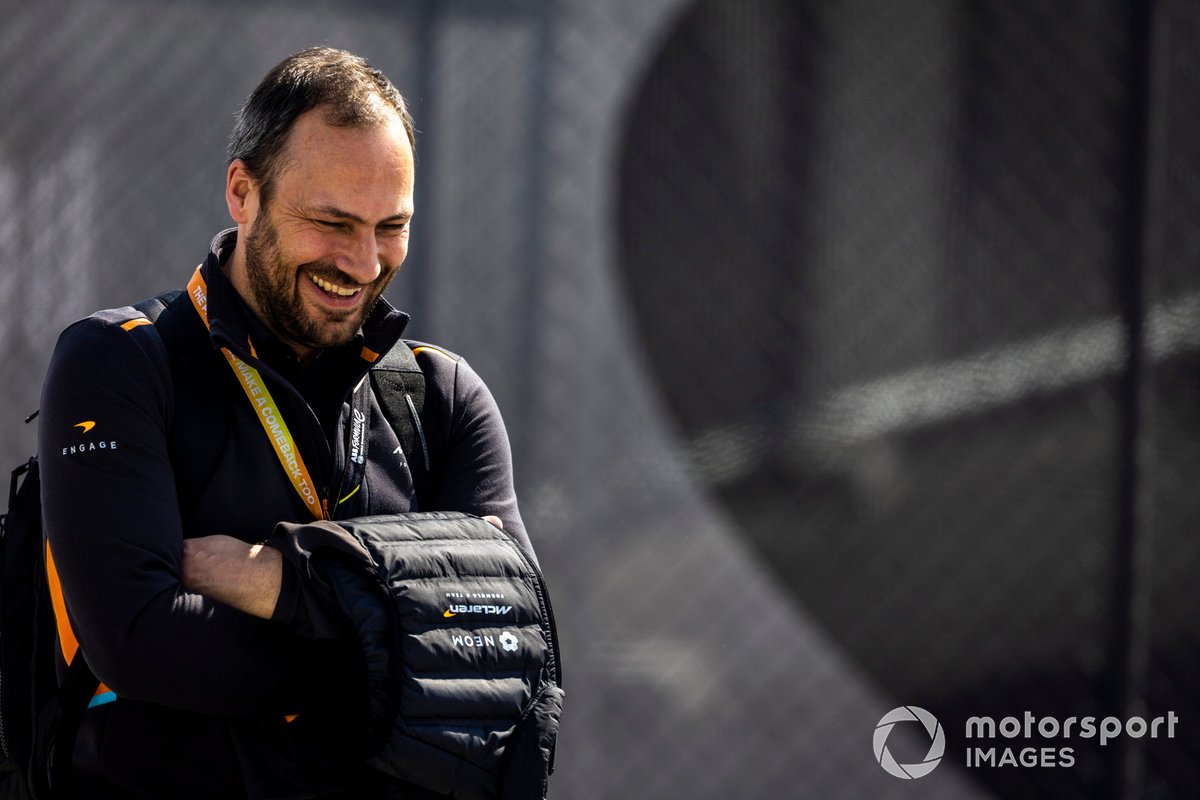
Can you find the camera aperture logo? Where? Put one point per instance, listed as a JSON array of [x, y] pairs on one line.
[[1021, 742], [937, 742]]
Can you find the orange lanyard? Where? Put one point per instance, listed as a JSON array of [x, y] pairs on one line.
[[266, 410]]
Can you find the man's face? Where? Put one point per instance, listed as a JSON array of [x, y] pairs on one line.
[[334, 233]]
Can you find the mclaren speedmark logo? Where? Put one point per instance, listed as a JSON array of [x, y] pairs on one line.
[[89, 444], [454, 610]]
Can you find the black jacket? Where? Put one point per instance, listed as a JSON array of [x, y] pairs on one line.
[[129, 470]]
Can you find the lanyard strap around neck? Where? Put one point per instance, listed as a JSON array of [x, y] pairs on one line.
[[268, 413]]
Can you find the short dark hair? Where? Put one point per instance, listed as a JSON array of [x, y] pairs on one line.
[[343, 84]]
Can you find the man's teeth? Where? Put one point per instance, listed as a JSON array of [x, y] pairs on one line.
[[333, 288]]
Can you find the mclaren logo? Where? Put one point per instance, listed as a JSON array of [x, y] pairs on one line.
[[88, 445], [454, 610]]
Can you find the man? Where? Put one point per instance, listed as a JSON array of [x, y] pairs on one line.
[[222, 674]]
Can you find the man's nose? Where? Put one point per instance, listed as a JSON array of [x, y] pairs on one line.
[[360, 258]]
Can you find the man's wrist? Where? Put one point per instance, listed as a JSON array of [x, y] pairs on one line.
[[263, 593], [247, 577]]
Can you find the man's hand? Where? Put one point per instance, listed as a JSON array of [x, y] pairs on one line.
[[245, 576]]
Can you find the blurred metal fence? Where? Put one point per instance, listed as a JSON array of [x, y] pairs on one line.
[[811, 323], [889, 261]]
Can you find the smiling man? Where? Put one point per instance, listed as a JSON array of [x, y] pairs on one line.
[[325, 235], [249, 399]]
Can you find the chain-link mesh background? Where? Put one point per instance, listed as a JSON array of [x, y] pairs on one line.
[[849, 348]]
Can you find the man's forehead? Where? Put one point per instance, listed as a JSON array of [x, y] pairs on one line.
[[363, 173]]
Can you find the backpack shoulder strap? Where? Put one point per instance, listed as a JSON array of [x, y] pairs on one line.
[[399, 384], [153, 307]]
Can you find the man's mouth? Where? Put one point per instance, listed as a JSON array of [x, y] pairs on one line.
[[333, 288]]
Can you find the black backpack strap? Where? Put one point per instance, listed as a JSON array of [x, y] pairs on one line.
[[153, 307], [399, 384]]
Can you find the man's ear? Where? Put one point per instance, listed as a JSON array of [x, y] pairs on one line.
[[241, 193]]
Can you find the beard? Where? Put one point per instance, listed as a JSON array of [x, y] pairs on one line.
[[276, 286]]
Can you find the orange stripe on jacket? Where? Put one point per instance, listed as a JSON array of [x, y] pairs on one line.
[[418, 350], [66, 636]]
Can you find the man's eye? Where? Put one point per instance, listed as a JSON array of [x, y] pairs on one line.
[[332, 225], [393, 229]]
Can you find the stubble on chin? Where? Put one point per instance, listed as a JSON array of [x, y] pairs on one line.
[[279, 295], [277, 292]]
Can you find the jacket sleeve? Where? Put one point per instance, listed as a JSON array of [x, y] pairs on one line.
[[113, 524], [476, 475]]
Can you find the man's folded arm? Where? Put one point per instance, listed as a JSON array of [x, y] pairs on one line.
[[113, 523]]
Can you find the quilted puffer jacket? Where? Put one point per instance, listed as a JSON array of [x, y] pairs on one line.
[[459, 652]]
